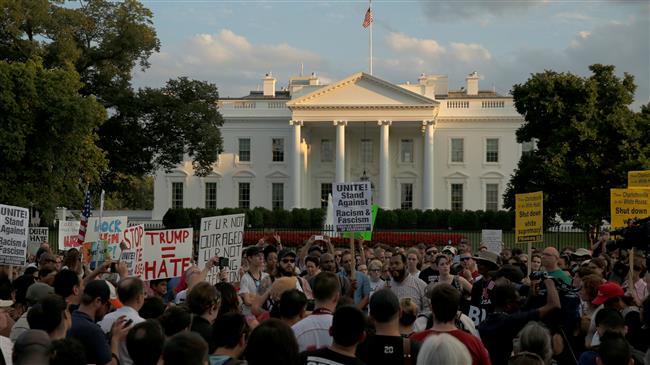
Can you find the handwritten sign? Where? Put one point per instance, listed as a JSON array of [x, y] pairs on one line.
[[110, 231], [222, 236], [529, 222], [166, 254], [352, 207], [37, 235], [493, 239], [628, 204], [14, 222], [94, 254], [68, 234], [132, 249]]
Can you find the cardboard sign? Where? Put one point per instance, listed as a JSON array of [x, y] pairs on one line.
[[366, 235], [638, 179], [222, 236], [111, 230], [166, 254], [94, 254], [529, 220], [68, 234], [131, 246], [37, 235], [352, 206], [628, 204], [493, 239], [14, 234]]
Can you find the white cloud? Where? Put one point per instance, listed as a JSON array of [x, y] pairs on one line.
[[400, 42], [230, 61], [573, 17], [469, 52], [584, 34]]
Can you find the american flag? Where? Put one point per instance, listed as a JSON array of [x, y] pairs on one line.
[[84, 219], [368, 18]]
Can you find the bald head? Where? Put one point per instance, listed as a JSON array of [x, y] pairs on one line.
[[327, 262], [550, 257]]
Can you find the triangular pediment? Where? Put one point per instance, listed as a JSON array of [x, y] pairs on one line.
[[361, 90]]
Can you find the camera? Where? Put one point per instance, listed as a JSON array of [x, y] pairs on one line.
[[538, 275]]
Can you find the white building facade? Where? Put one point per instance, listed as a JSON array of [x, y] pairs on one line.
[[421, 146]]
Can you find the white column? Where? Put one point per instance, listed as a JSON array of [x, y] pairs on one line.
[[340, 150], [427, 201], [295, 163], [384, 164]]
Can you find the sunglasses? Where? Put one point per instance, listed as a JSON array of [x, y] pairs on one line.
[[465, 258], [286, 261]]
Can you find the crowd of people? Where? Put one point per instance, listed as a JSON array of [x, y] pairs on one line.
[[321, 305]]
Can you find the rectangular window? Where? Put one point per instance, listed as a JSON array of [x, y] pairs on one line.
[[492, 197], [407, 151], [492, 150], [278, 149], [244, 195], [326, 150], [211, 195], [177, 195], [457, 150], [277, 196], [244, 149], [457, 197], [325, 191], [366, 151], [406, 197]]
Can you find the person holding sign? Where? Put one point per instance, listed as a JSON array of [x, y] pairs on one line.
[[360, 283]]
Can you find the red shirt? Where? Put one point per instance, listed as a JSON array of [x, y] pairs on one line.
[[474, 345]]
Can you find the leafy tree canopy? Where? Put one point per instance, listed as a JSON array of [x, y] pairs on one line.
[[587, 140]]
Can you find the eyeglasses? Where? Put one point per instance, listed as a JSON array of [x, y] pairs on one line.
[[286, 261]]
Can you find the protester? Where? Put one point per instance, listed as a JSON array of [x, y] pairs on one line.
[[550, 259], [187, 348], [312, 332], [159, 288], [204, 301], [144, 343], [31, 348], [35, 293], [272, 342], [480, 302], [66, 352], [175, 319], [50, 315], [535, 338], [292, 306], [405, 285], [249, 285], [443, 349], [360, 282], [374, 274], [152, 308], [68, 286], [413, 263], [230, 334]]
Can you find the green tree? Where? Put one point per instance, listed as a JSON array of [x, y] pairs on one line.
[[587, 140], [48, 136]]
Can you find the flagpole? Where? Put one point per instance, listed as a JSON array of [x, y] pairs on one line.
[[370, 36]]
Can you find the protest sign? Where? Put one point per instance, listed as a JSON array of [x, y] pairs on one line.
[[529, 219], [365, 235], [94, 254], [222, 236], [628, 204], [37, 235], [14, 234], [493, 239], [166, 254], [638, 179], [68, 234], [352, 207], [110, 232], [131, 246]]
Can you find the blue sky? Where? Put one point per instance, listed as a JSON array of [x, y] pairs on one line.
[[234, 43]]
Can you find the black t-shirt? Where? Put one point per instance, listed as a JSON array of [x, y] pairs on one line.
[[480, 304], [385, 350], [499, 329], [429, 275], [327, 357]]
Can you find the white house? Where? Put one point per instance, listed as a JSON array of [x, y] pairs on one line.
[[421, 145]]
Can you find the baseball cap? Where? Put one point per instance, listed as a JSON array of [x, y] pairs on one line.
[[451, 249], [285, 252], [37, 291], [98, 288], [608, 291], [31, 347], [252, 251]]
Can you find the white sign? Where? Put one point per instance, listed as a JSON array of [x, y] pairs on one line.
[[37, 235], [352, 207], [110, 232], [132, 249], [14, 224], [222, 236], [166, 254], [493, 239], [68, 234]]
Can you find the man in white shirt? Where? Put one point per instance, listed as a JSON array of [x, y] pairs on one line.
[[250, 282], [312, 332], [130, 291]]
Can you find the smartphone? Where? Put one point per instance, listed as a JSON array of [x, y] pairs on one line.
[[224, 262], [319, 238], [113, 267], [127, 323]]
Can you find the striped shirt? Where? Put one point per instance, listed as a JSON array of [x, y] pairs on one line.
[[411, 287]]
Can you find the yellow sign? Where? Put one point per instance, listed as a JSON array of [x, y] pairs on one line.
[[638, 179], [629, 204], [529, 221]]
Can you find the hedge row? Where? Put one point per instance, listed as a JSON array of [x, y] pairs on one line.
[[314, 218]]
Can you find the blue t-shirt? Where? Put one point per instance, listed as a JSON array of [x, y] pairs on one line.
[[91, 337], [363, 285]]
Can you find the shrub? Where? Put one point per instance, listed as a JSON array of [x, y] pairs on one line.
[[176, 218]]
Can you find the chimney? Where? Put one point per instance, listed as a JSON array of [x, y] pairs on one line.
[[313, 79], [269, 85], [427, 86], [472, 83]]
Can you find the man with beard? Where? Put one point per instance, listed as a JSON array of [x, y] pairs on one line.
[[405, 285], [328, 264], [287, 268], [94, 305]]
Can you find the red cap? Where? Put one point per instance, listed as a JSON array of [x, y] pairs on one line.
[[608, 291]]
